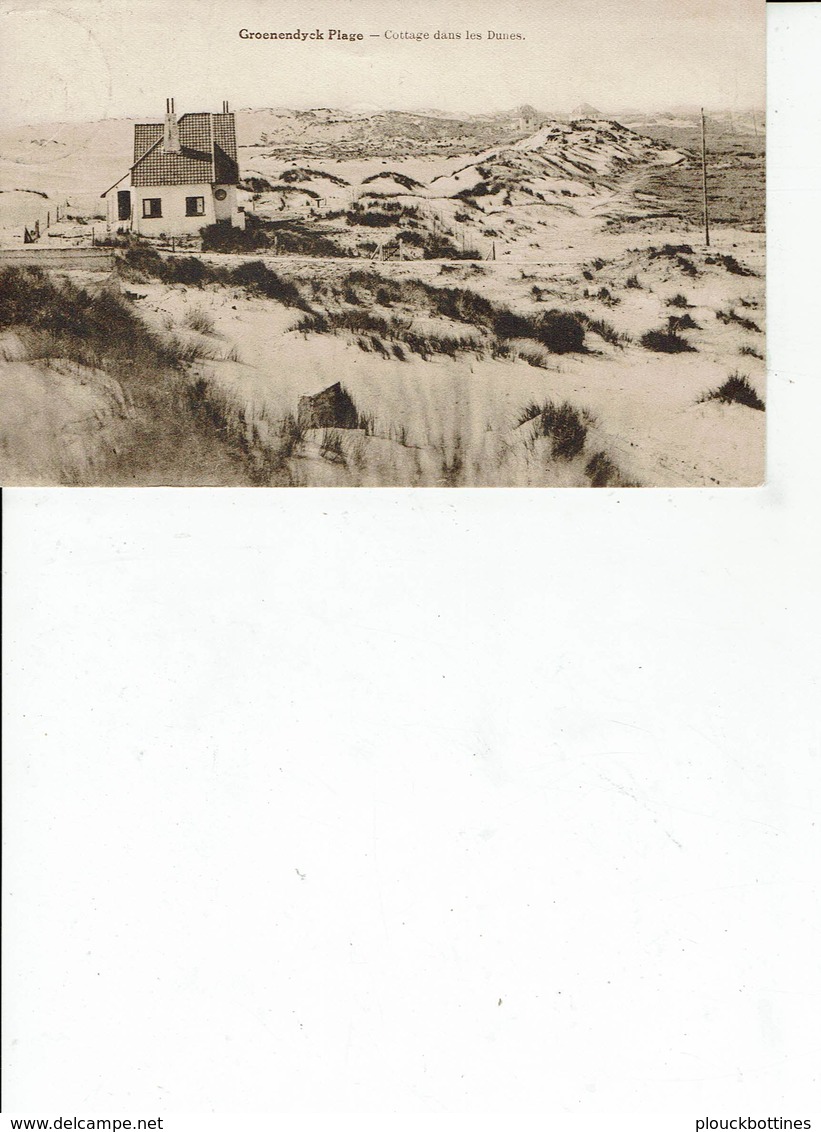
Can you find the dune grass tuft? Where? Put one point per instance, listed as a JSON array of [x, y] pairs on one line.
[[736, 390]]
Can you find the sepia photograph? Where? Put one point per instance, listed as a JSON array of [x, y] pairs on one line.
[[517, 247]]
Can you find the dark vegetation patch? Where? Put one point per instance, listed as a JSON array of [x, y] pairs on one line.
[[433, 245], [605, 330], [685, 321], [563, 424], [669, 251], [481, 189], [226, 238], [678, 254], [295, 237], [290, 236], [729, 263], [165, 441], [558, 331], [735, 390], [299, 189], [731, 315], [255, 184], [259, 279], [91, 327], [303, 173], [665, 341], [377, 212], [400, 178], [254, 276], [382, 214], [373, 333], [602, 472]]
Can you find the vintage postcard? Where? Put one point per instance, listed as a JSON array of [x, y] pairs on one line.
[[382, 245]]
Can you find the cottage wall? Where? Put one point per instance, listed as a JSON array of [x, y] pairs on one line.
[[111, 205], [173, 221], [227, 209]]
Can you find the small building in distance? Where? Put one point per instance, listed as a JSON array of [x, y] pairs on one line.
[[184, 176], [528, 119]]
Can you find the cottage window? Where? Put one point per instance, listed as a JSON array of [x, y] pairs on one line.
[[152, 207], [195, 206]]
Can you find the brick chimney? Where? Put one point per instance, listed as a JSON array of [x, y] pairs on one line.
[[171, 133]]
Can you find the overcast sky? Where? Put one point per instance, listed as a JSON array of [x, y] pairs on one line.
[[90, 59]]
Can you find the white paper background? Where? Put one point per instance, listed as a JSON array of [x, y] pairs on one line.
[[429, 802]]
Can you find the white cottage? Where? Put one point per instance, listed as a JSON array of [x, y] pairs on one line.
[[184, 176]]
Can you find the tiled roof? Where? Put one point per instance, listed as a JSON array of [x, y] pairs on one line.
[[207, 154]]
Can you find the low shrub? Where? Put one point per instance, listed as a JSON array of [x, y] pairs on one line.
[[255, 276], [293, 237], [528, 412], [199, 320], [729, 263], [670, 251], [291, 176], [566, 428], [605, 330], [226, 238], [506, 324], [560, 332], [665, 341], [731, 315], [735, 390], [563, 424], [679, 301], [139, 260], [602, 472], [682, 322], [300, 190], [400, 178], [256, 184]]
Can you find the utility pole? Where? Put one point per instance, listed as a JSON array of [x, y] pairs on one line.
[[704, 179]]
